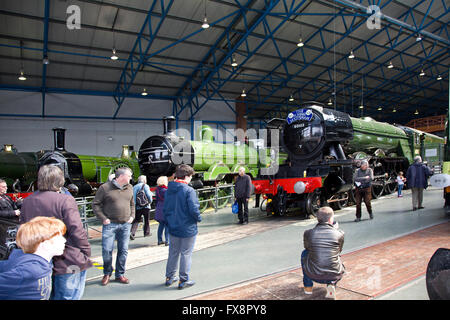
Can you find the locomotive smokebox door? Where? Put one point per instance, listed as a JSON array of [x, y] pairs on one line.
[[313, 132]]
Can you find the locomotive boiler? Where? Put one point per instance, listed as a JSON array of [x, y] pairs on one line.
[[213, 162]]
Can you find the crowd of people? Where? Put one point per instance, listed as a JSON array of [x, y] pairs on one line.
[[54, 252]]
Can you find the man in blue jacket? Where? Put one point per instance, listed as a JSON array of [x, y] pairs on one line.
[[181, 211]]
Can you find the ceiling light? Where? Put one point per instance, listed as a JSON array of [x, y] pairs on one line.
[[419, 37], [300, 43], [394, 110], [243, 94], [144, 92], [22, 76], [234, 63], [205, 24], [422, 73], [330, 102], [114, 56], [380, 108], [291, 98], [361, 106], [390, 66], [45, 60], [439, 78], [351, 55], [417, 112]]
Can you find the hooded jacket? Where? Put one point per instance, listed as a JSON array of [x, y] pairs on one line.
[[324, 244], [25, 276], [181, 210]]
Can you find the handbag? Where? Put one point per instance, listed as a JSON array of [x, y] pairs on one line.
[[235, 207]]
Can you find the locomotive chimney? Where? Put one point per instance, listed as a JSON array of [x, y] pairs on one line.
[[59, 139], [125, 152], [169, 124]]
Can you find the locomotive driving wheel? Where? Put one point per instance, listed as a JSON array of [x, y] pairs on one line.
[[313, 202], [378, 187]]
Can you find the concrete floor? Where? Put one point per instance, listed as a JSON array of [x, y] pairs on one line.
[[227, 254]]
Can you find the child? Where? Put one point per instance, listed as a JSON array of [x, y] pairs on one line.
[[27, 274], [400, 181]]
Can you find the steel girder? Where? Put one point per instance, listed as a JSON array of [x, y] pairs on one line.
[[305, 65], [138, 54], [411, 70], [223, 74], [44, 54], [351, 73]]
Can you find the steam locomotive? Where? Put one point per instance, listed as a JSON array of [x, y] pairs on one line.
[[324, 148], [83, 173], [213, 162]]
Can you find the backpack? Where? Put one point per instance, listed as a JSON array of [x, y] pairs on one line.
[[141, 198]]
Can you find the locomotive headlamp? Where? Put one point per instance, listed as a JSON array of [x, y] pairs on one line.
[[299, 187]]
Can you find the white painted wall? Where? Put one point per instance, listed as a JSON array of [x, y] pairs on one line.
[[92, 136]]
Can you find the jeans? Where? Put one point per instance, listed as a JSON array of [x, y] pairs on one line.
[[68, 286], [307, 281], [163, 228], [121, 233], [180, 249], [400, 188]]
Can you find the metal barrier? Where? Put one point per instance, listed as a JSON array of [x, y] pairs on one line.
[[214, 195], [218, 197]]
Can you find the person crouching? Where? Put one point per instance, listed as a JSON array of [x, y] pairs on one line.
[[321, 260]]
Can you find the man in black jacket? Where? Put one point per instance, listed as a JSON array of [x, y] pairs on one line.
[[8, 207], [242, 193], [321, 260]]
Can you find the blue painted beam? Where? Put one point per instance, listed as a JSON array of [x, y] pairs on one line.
[[362, 45], [217, 45], [398, 22], [132, 66], [45, 54], [242, 41]]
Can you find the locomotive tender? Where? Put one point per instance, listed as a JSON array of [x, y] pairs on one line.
[[324, 148]]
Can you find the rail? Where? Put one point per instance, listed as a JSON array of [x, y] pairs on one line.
[[217, 197]]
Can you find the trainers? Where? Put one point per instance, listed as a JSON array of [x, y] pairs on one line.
[[331, 292], [169, 281], [308, 290], [371, 216], [357, 219], [185, 284]]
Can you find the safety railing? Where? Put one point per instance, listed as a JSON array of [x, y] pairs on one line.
[[216, 197]]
